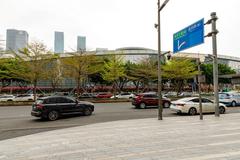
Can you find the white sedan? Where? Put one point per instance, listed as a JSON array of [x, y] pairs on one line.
[[124, 95], [4, 98], [190, 105], [24, 97]]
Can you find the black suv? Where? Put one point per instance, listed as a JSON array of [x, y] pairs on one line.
[[54, 106]]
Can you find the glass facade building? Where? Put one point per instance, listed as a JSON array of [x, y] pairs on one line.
[[81, 43], [58, 42], [16, 39]]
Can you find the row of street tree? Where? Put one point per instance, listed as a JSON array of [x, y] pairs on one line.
[[36, 62]]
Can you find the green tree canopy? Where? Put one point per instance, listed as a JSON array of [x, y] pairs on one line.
[[79, 66], [178, 70], [32, 63], [223, 69], [113, 70]]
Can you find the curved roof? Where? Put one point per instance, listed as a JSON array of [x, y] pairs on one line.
[[133, 48]]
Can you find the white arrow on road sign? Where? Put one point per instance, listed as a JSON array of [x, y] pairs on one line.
[[180, 45]]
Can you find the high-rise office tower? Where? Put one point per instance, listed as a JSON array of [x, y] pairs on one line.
[[16, 39], [81, 43], [59, 42], [1, 45]]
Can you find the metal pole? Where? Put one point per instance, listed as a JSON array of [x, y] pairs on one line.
[[215, 62], [160, 107], [199, 89]]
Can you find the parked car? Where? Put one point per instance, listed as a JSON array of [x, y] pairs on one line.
[[124, 95], [190, 105], [149, 99], [24, 97], [229, 98], [52, 107], [104, 95], [5, 98], [87, 95], [61, 94]]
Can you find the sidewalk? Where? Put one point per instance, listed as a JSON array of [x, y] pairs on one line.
[[174, 138]]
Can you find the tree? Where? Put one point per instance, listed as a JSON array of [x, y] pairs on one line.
[[79, 66], [179, 70], [223, 69], [144, 72], [8, 68], [32, 63], [113, 70], [53, 72]]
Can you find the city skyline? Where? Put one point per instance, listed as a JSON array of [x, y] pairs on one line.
[[114, 24]]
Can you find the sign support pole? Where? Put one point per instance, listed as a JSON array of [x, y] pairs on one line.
[[199, 89], [215, 62]]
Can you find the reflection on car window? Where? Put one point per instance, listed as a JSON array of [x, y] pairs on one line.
[[50, 100], [64, 100], [196, 100]]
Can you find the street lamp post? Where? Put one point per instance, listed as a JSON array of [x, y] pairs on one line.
[[160, 106]]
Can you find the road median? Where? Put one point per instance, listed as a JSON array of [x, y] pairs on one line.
[[29, 103]]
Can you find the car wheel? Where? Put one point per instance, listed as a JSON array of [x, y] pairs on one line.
[[142, 105], [53, 115], [221, 110], [192, 111], [9, 100], [233, 104], [166, 105], [87, 111]]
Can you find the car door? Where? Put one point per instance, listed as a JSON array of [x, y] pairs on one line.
[[237, 97], [66, 105], [151, 100], [194, 103], [50, 104], [207, 105], [154, 100], [147, 100]]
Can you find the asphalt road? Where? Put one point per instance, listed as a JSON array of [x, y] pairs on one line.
[[17, 121]]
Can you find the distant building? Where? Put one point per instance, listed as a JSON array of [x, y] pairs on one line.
[[233, 62], [16, 39], [58, 42], [81, 43], [101, 50]]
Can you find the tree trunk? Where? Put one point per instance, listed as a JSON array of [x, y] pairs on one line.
[[78, 87], [35, 89], [114, 90]]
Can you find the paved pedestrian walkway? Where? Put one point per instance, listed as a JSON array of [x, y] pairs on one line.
[[174, 138]]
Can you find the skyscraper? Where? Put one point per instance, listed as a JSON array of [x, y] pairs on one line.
[[16, 39], [59, 42], [81, 43]]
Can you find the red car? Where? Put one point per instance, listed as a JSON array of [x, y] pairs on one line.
[[149, 99], [104, 95]]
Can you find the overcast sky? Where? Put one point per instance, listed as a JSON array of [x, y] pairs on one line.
[[120, 23]]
